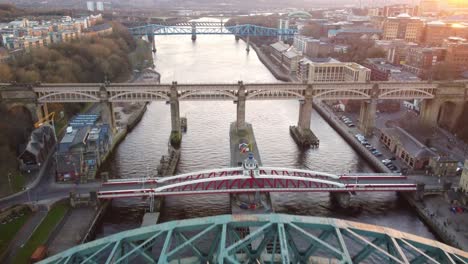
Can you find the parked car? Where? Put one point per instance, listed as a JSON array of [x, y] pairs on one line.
[[392, 158], [386, 161], [351, 125]]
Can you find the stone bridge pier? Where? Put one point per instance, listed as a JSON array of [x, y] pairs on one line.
[[241, 97], [302, 133], [194, 31], [441, 112], [368, 111], [107, 109], [175, 110]]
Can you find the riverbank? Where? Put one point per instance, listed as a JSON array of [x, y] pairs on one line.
[[264, 58], [435, 213], [446, 232]]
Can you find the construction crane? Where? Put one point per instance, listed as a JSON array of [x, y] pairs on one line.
[[48, 118]]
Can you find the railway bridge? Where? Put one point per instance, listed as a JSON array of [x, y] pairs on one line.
[[440, 101]]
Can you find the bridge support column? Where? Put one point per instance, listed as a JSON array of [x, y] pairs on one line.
[[367, 116], [429, 112], [152, 41], [107, 115], [368, 111], [241, 97], [107, 111], [194, 31], [302, 133], [176, 135], [248, 44], [343, 199]]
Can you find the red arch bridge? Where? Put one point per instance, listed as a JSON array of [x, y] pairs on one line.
[[261, 179]]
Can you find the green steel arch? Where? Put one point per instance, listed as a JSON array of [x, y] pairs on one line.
[[300, 14], [269, 238]]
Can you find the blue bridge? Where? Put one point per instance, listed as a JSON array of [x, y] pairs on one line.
[[271, 238], [210, 28]]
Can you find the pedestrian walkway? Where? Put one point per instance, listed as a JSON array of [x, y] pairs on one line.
[[72, 230], [26, 232]]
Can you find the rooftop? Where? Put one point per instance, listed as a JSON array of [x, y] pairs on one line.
[[409, 143]]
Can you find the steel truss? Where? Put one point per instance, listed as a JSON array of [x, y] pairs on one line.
[[210, 29], [272, 238]]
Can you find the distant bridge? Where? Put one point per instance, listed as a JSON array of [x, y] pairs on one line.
[[263, 179], [209, 28]]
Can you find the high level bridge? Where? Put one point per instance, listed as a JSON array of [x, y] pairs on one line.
[[260, 179], [441, 101]]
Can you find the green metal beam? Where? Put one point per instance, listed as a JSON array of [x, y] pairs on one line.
[[189, 242], [367, 250], [137, 248], [230, 248], [344, 248], [251, 237], [367, 242], [167, 243], [283, 246], [222, 244], [337, 253]]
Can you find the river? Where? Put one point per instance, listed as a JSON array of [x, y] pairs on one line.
[[206, 143]]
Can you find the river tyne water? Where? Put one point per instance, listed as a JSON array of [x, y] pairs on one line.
[[206, 144]]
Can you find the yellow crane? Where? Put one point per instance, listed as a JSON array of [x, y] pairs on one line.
[[48, 118]]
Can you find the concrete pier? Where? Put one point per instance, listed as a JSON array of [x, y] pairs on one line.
[[258, 203]]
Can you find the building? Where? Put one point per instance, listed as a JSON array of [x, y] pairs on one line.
[[277, 49], [404, 27], [100, 6], [436, 31], [428, 7], [285, 56], [457, 53], [396, 49], [443, 166], [98, 30], [347, 35], [420, 61], [83, 148], [331, 70], [90, 6], [312, 47], [283, 25], [406, 148], [4, 55], [393, 10], [40, 145], [381, 70]]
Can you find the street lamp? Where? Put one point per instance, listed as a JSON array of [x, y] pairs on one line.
[[9, 181], [29, 196]]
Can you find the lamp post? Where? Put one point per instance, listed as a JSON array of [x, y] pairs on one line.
[[9, 182], [29, 196]]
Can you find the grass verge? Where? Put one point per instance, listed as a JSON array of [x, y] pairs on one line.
[[40, 236], [9, 230]]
